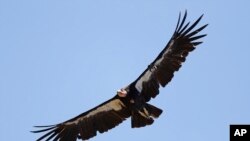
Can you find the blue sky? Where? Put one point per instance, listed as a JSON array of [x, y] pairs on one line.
[[59, 58]]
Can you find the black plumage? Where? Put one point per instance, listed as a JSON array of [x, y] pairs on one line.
[[131, 101]]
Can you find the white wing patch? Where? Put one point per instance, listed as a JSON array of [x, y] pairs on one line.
[[150, 71], [144, 78], [116, 105]]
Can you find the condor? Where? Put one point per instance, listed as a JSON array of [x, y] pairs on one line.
[[132, 100]]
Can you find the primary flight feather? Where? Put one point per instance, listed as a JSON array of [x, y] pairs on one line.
[[131, 101]]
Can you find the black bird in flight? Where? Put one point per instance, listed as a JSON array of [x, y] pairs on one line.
[[132, 100]]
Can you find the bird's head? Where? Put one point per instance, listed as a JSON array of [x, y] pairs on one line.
[[122, 92]]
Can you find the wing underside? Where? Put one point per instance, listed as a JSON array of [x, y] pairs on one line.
[[101, 118], [161, 70]]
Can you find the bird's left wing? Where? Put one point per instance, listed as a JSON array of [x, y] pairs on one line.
[[101, 118], [161, 70]]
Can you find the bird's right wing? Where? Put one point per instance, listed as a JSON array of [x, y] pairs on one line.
[[101, 118]]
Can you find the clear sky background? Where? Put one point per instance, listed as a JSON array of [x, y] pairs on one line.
[[58, 58]]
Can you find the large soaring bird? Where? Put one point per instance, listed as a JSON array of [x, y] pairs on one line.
[[132, 100]]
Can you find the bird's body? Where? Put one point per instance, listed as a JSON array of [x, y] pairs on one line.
[[132, 100]]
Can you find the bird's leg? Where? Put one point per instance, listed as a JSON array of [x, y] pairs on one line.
[[139, 104]]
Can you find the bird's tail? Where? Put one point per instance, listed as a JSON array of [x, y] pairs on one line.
[[145, 116]]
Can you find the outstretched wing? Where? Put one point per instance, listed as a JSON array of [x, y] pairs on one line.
[[101, 118], [161, 70]]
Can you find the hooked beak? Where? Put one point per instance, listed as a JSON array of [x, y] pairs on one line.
[[122, 93]]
